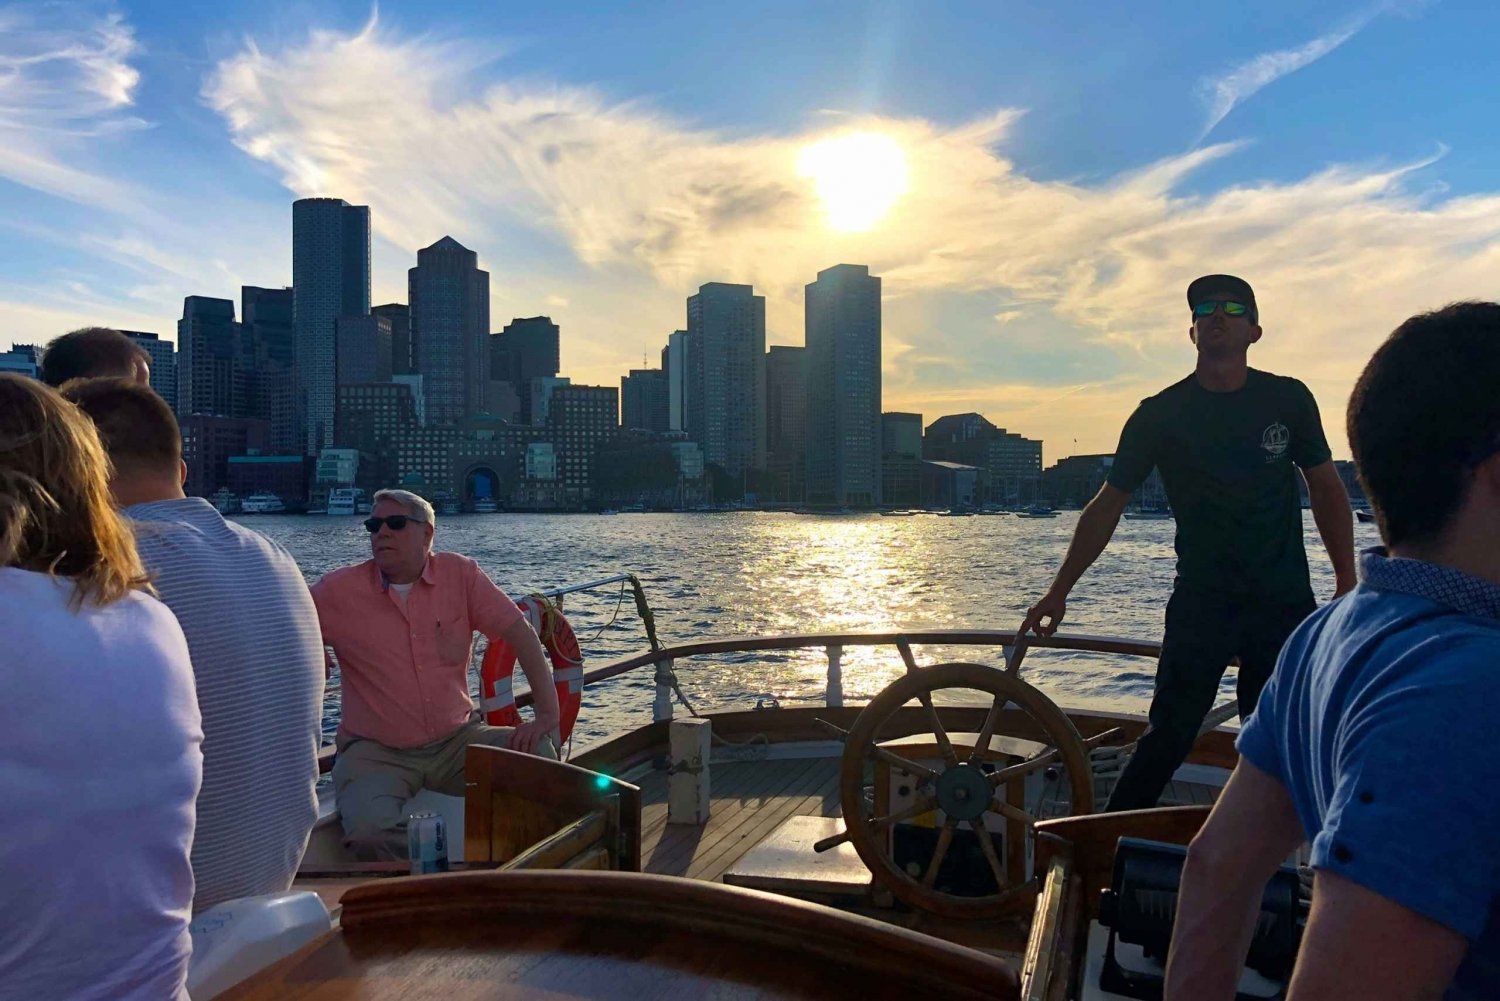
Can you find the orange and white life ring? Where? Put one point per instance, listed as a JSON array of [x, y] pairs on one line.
[[495, 671]]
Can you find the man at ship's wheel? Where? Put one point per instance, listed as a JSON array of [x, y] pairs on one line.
[[1228, 441]]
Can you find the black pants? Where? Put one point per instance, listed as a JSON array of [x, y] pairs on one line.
[[1204, 632]]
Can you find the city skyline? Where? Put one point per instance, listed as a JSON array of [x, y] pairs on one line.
[[1034, 227]]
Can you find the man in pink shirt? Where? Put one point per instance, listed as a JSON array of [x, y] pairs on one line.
[[402, 626]]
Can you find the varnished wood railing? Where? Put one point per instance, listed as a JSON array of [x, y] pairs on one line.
[[833, 644]]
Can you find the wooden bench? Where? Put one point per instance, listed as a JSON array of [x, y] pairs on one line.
[[526, 812]]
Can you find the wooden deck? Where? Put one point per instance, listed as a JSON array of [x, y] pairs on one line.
[[750, 798]]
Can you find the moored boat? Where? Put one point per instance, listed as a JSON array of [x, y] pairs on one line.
[[344, 501], [1039, 511], [262, 503]]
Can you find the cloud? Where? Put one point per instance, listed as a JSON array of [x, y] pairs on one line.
[[641, 207], [1225, 93], [65, 78]]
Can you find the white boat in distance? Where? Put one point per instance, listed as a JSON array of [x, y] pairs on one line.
[[343, 501], [262, 503]]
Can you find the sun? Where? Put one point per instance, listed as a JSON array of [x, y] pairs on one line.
[[859, 176]]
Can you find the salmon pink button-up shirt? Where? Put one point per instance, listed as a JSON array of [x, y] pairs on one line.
[[405, 665]]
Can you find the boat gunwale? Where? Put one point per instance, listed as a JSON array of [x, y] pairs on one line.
[[1003, 638]]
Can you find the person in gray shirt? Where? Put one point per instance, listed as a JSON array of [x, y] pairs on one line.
[[252, 632]]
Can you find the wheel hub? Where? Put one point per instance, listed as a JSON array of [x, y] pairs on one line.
[[963, 792]]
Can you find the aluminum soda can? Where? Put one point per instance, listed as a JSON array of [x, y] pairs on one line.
[[426, 843]]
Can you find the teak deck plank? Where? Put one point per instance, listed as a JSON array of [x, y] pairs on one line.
[[750, 798]]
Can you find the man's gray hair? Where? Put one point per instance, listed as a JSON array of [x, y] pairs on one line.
[[416, 505]]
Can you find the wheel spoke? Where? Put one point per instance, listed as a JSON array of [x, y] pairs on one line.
[[945, 838], [986, 732], [944, 744], [832, 841], [1044, 758], [897, 761], [1012, 812], [988, 847], [924, 805], [1034, 763]]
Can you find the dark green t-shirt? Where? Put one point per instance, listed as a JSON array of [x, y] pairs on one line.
[[1226, 460]]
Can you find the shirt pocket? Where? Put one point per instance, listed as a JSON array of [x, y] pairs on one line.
[[454, 639]]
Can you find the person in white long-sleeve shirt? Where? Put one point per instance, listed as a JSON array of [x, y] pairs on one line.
[[100, 734]]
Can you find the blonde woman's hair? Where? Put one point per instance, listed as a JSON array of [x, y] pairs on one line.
[[55, 511]]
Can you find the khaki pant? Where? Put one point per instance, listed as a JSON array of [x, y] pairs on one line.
[[373, 783]]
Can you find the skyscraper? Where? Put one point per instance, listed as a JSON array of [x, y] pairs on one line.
[[450, 321], [725, 378], [266, 314], [163, 363], [643, 400], [330, 278], [674, 363], [364, 349], [843, 387], [786, 421], [212, 374], [403, 351], [266, 320], [528, 348]]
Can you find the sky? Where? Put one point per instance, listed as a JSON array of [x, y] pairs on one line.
[[1035, 183]]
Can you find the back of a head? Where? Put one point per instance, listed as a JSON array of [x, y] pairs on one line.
[[90, 353], [1425, 410], [138, 430], [55, 510]]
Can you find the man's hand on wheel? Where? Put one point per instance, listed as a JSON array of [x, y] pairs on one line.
[[1052, 607]]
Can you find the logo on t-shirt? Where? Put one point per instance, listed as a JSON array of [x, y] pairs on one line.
[[1274, 440]]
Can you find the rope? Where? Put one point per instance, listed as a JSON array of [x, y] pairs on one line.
[[648, 619], [669, 675], [619, 600]]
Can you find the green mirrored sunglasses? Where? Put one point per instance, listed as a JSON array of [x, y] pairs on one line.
[[1231, 308]]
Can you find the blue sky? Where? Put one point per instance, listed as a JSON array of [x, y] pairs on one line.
[[1044, 179]]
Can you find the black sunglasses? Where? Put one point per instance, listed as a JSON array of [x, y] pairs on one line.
[[396, 521]]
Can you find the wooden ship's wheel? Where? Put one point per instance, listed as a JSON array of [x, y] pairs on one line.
[[963, 781]]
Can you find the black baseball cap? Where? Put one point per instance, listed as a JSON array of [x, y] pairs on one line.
[[1212, 285]]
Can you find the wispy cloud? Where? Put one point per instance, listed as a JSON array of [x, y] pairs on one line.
[[65, 77], [1236, 86], [650, 206], [1048, 305]]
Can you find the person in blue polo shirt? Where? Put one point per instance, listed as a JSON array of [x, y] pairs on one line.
[[1374, 737]]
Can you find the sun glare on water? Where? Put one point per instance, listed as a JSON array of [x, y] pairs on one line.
[[859, 176]]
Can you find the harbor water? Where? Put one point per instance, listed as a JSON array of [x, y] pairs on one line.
[[733, 574]]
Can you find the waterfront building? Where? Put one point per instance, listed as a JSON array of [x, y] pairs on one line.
[[843, 387], [724, 408], [450, 319], [330, 278]]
